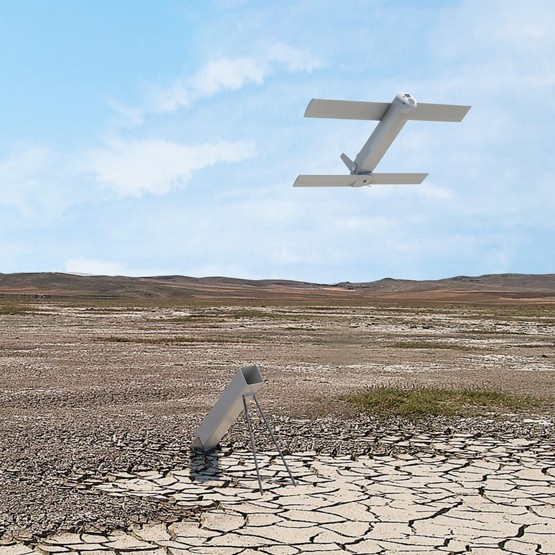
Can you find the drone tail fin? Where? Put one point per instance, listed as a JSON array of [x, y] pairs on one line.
[[351, 166]]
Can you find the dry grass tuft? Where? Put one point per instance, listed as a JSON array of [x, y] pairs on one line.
[[420, 402]]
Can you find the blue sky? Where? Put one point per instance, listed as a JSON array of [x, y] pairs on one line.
[[163, 137]]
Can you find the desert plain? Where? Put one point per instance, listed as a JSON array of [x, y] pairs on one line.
[[96, 389]]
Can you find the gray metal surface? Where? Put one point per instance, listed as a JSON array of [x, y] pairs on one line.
[[228, 407], [359, 180], [354, 109]]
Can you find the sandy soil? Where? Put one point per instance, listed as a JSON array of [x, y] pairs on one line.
[[92, 389]]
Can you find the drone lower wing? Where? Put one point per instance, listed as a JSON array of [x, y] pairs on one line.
[[359, 180]]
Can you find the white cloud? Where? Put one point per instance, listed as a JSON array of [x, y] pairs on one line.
[[496, 28], [34, 182], [294, 59], [130, 115], [157, 166], [231, 74], [19, 173]]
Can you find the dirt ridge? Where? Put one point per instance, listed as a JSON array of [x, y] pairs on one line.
[[487, 288]]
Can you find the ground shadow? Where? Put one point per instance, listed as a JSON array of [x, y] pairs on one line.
[[204, 465]]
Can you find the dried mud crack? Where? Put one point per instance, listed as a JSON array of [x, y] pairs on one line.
[[357, 501]]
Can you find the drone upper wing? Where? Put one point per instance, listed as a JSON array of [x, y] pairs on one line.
[[438, 112], [352, 109], [346, 109]]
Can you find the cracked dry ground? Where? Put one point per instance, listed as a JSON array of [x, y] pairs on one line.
[[98, 406]]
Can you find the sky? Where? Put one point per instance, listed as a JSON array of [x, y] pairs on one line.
[[162, 137]]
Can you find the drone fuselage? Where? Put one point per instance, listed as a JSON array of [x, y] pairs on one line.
[[385, 133]]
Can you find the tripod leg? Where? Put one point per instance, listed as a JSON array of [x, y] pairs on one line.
[[252, 445], [274, 439]]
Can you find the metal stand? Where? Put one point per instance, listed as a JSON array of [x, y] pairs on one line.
[[249, 427], [253, 449]]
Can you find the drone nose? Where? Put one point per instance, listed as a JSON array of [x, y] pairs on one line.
[[405, 101]]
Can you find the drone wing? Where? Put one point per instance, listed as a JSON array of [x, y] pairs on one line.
[[359, 180], [345, 109], [351, 109], [438, 112]]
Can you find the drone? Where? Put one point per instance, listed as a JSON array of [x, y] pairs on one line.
[[392, 117]]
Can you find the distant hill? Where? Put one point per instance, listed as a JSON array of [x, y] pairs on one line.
[[486, 288], [495, 288]]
